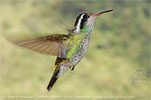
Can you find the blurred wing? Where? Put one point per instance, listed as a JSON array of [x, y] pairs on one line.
[[66, 27], [51, 45]]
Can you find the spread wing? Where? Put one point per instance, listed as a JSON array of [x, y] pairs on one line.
[[51, 45]]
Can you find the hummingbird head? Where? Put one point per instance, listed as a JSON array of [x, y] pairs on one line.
[[87, 19]]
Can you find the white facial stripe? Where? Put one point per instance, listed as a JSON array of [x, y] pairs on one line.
[[78, 25]]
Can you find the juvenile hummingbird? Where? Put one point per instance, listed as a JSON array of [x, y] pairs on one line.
[[69, 48]]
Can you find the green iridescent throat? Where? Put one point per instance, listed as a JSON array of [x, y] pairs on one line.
[[76, 41], [86, 29]]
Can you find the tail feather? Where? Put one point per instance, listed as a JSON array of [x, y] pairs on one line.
[[59, 70], [53, 79]]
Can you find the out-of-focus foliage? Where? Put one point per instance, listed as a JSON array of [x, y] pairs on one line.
[[119, 46]]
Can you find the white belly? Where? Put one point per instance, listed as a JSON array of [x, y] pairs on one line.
[[80, 52]]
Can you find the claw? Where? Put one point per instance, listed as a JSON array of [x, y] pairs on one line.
[[72, 68]]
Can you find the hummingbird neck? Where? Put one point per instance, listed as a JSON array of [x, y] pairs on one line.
[[86, 29]]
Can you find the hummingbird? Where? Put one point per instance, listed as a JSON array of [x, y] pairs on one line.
[[69, 48]]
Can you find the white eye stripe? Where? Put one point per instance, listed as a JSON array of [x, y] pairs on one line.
[[78, 24]]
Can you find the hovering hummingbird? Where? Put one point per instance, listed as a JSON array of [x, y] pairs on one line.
[[69, 48]]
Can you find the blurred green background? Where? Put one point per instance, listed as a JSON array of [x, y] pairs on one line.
[[119, 46]]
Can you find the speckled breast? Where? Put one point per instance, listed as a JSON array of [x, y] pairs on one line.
[[80, 52]]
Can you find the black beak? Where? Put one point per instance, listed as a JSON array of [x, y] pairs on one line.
[[98, 14]]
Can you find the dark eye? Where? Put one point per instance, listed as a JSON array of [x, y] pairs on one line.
[[85, 16]]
